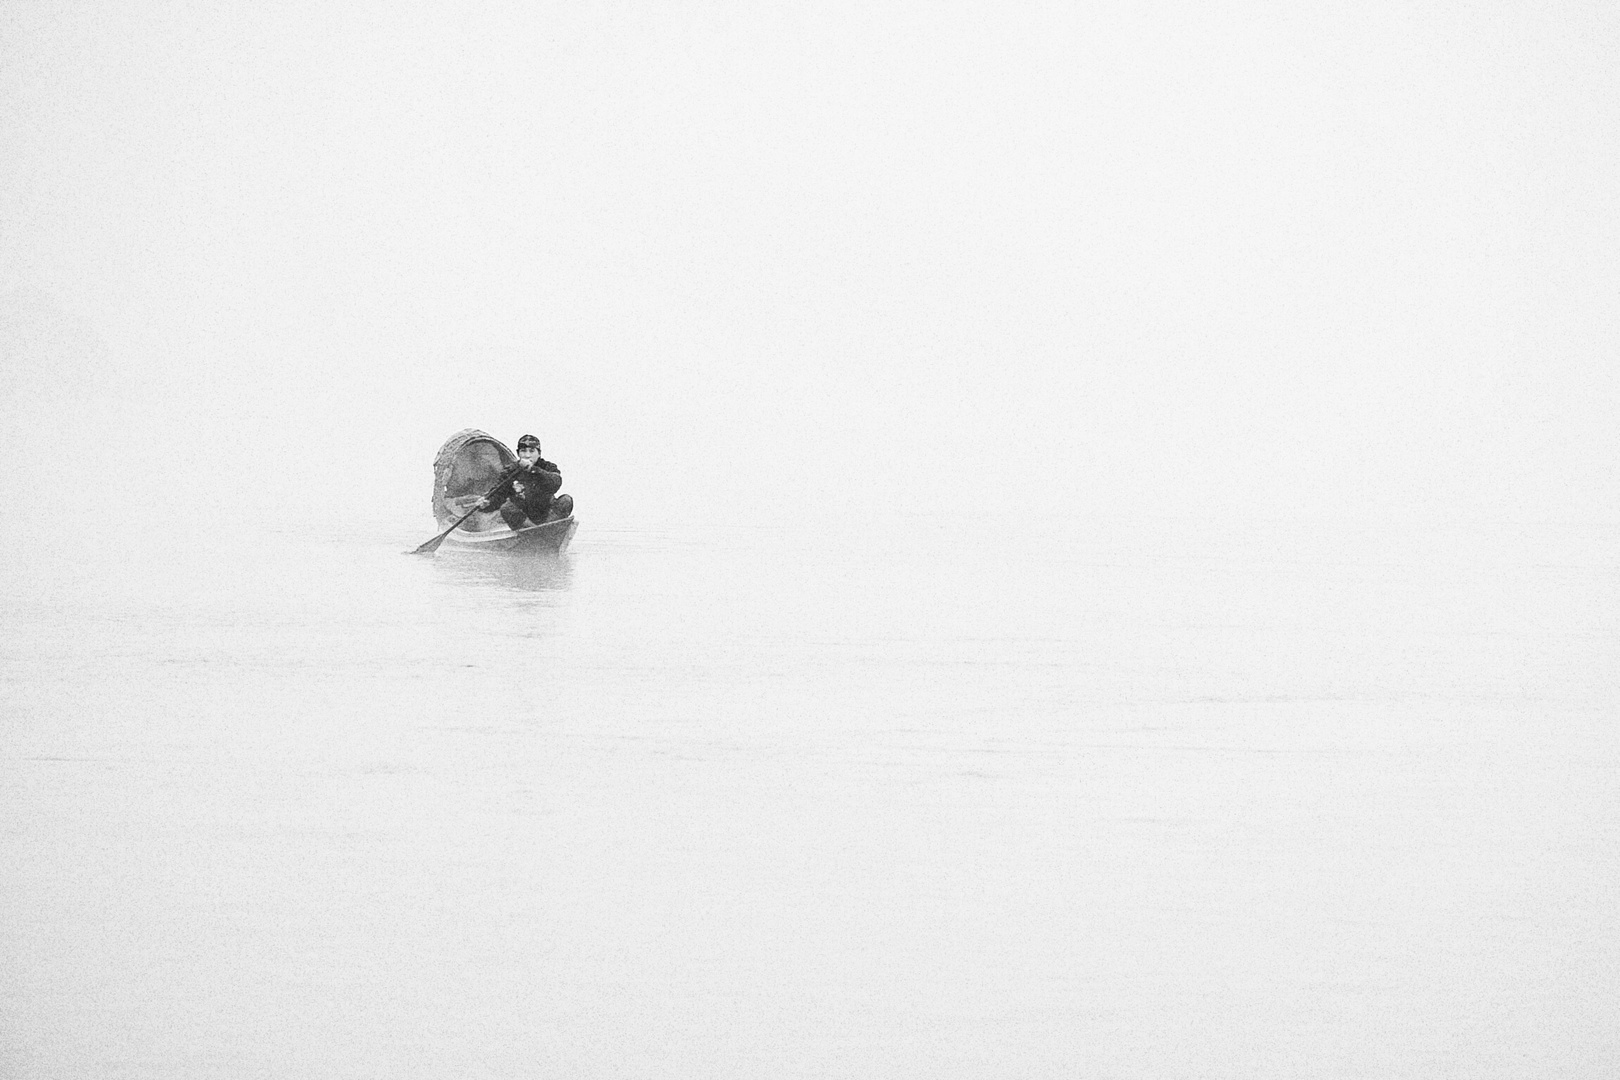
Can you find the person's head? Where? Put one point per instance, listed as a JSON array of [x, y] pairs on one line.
[[528, 449]]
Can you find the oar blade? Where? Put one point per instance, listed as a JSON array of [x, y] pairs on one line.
[[433, 545], [428, 548]]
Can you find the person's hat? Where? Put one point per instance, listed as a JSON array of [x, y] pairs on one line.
[[528, 441]]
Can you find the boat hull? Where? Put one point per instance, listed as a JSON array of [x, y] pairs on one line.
[[550, 538]]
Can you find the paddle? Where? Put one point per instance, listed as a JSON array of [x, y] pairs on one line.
[[433, 545]]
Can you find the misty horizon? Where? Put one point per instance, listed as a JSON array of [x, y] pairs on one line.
[[1317, 264]]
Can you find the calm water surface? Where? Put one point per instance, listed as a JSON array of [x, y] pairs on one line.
[[892, 799]]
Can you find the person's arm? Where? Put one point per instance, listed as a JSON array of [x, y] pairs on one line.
[[545, 481], [503, 490]]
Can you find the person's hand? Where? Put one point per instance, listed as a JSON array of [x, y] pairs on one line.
[[485, 505]]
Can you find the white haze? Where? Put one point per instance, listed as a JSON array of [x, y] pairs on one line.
[[1098, 548], [1241, 259]]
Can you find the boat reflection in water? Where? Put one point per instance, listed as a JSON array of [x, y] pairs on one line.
[[528, 572]]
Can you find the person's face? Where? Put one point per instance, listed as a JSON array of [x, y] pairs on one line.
[[529, 455]]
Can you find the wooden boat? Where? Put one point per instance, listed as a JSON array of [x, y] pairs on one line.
[[467, 466]]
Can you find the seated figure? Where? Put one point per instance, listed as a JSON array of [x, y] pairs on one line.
[[528, 489]]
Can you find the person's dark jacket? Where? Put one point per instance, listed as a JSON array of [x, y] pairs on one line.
[[529, 488]]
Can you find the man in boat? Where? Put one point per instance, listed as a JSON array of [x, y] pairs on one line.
[[528, 489]]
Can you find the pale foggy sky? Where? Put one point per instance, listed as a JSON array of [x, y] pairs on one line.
[[1216, 258]]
